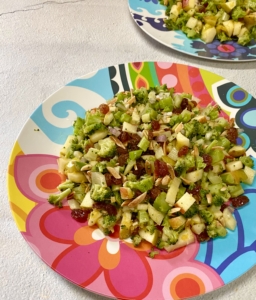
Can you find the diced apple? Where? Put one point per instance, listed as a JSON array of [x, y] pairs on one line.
[[126, 193], [208, 33], [242, 31], [62, 162], [237, 28], [237, 151], [229, 25], [228, 6], [230, 221], [198, 228], [211, 20], [188, 4], [191, 23], [77, 177], [98, 135], [250, 20], [177, 222], [194, 176], [155, 215], [176, 9], [234, 165], [73, 204], [149, 237], [185, 202], [125, 226], [87, 201], [195, 219], [240, 175], [181, 140], [93, 217], [250, 175], [68, 142], [186, 237], [172, 191], [127, 127]]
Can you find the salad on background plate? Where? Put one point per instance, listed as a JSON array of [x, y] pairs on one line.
[[218, 30], [100, 254]]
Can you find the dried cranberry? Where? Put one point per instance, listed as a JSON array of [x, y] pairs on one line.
[[161, 168], [202, 237], [109, 208], [154, 192], [104, 109], [177, 111], [183, 151], [232, 135], [239, 201], [116, 181], [195, 190], [80, 215], [208, 161], [155, 125], [184, 103]]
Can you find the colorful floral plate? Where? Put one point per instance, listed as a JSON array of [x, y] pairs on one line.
[[82, 254], [149, 15]]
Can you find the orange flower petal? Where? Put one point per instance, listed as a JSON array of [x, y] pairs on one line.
[[108, 261], [83, 236]]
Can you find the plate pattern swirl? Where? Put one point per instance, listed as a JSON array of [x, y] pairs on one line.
[[149, 16], [106, 265]]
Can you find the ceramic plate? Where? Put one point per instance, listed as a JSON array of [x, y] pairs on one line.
[[82, 254], [149, 15]]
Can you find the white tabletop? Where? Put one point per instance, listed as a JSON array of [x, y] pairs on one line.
[[43, 46]]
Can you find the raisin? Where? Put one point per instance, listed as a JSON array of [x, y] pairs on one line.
[[239, 201], [108, 178], [232, 135], [183, 151], [184, 103], [122, 159], [154, 192], [109, 208], [150, 135], [80, 215], [121, 150], [116, 181], [155, 125], [161, 168], [104, 109], [124, 136], [208, 161]]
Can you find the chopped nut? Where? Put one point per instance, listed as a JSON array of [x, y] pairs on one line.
[[171, 171], [114, 172], [209, 198], [196, 151], [137, 200], [158, 181], [179, 128], [117, 141], [166, 180], [86, 168]]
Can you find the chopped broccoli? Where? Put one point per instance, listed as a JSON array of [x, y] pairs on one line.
[[238, 12], [141, 95], [78, 127], [100, 167], [151, 228], [200, 163], [212, 111], [171, 234], [79, 192], [131, 177], [217, 200], [144, 185], [152, 254], [183, 164], [222, 36], [206, 215], [191, 211], [159, 89], [136, 240], [68, 184], [109, 221], [216, 229], [247, 161], [202, 194], [93, 122], [56, 199], [244, 39], [107, 148], [100, 193]]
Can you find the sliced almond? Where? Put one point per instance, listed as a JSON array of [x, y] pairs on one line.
[[137, 200], [86, 168], [131, 100], [171, 171], [218, 147], [158, 181], [196, 151], [145, 133], [209, 198], [114, 172], [231, 122], [165, 148], [224, 133], [224, 188], [159, 132], [166, 180], [125, 203], [112, 101], [118, 142], [179, 128], [185, 180], [174, 210]]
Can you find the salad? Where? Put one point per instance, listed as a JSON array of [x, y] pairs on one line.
[[220, 19], [157, 167]]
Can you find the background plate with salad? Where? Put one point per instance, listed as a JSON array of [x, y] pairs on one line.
[[150, 15], [83, 254]]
